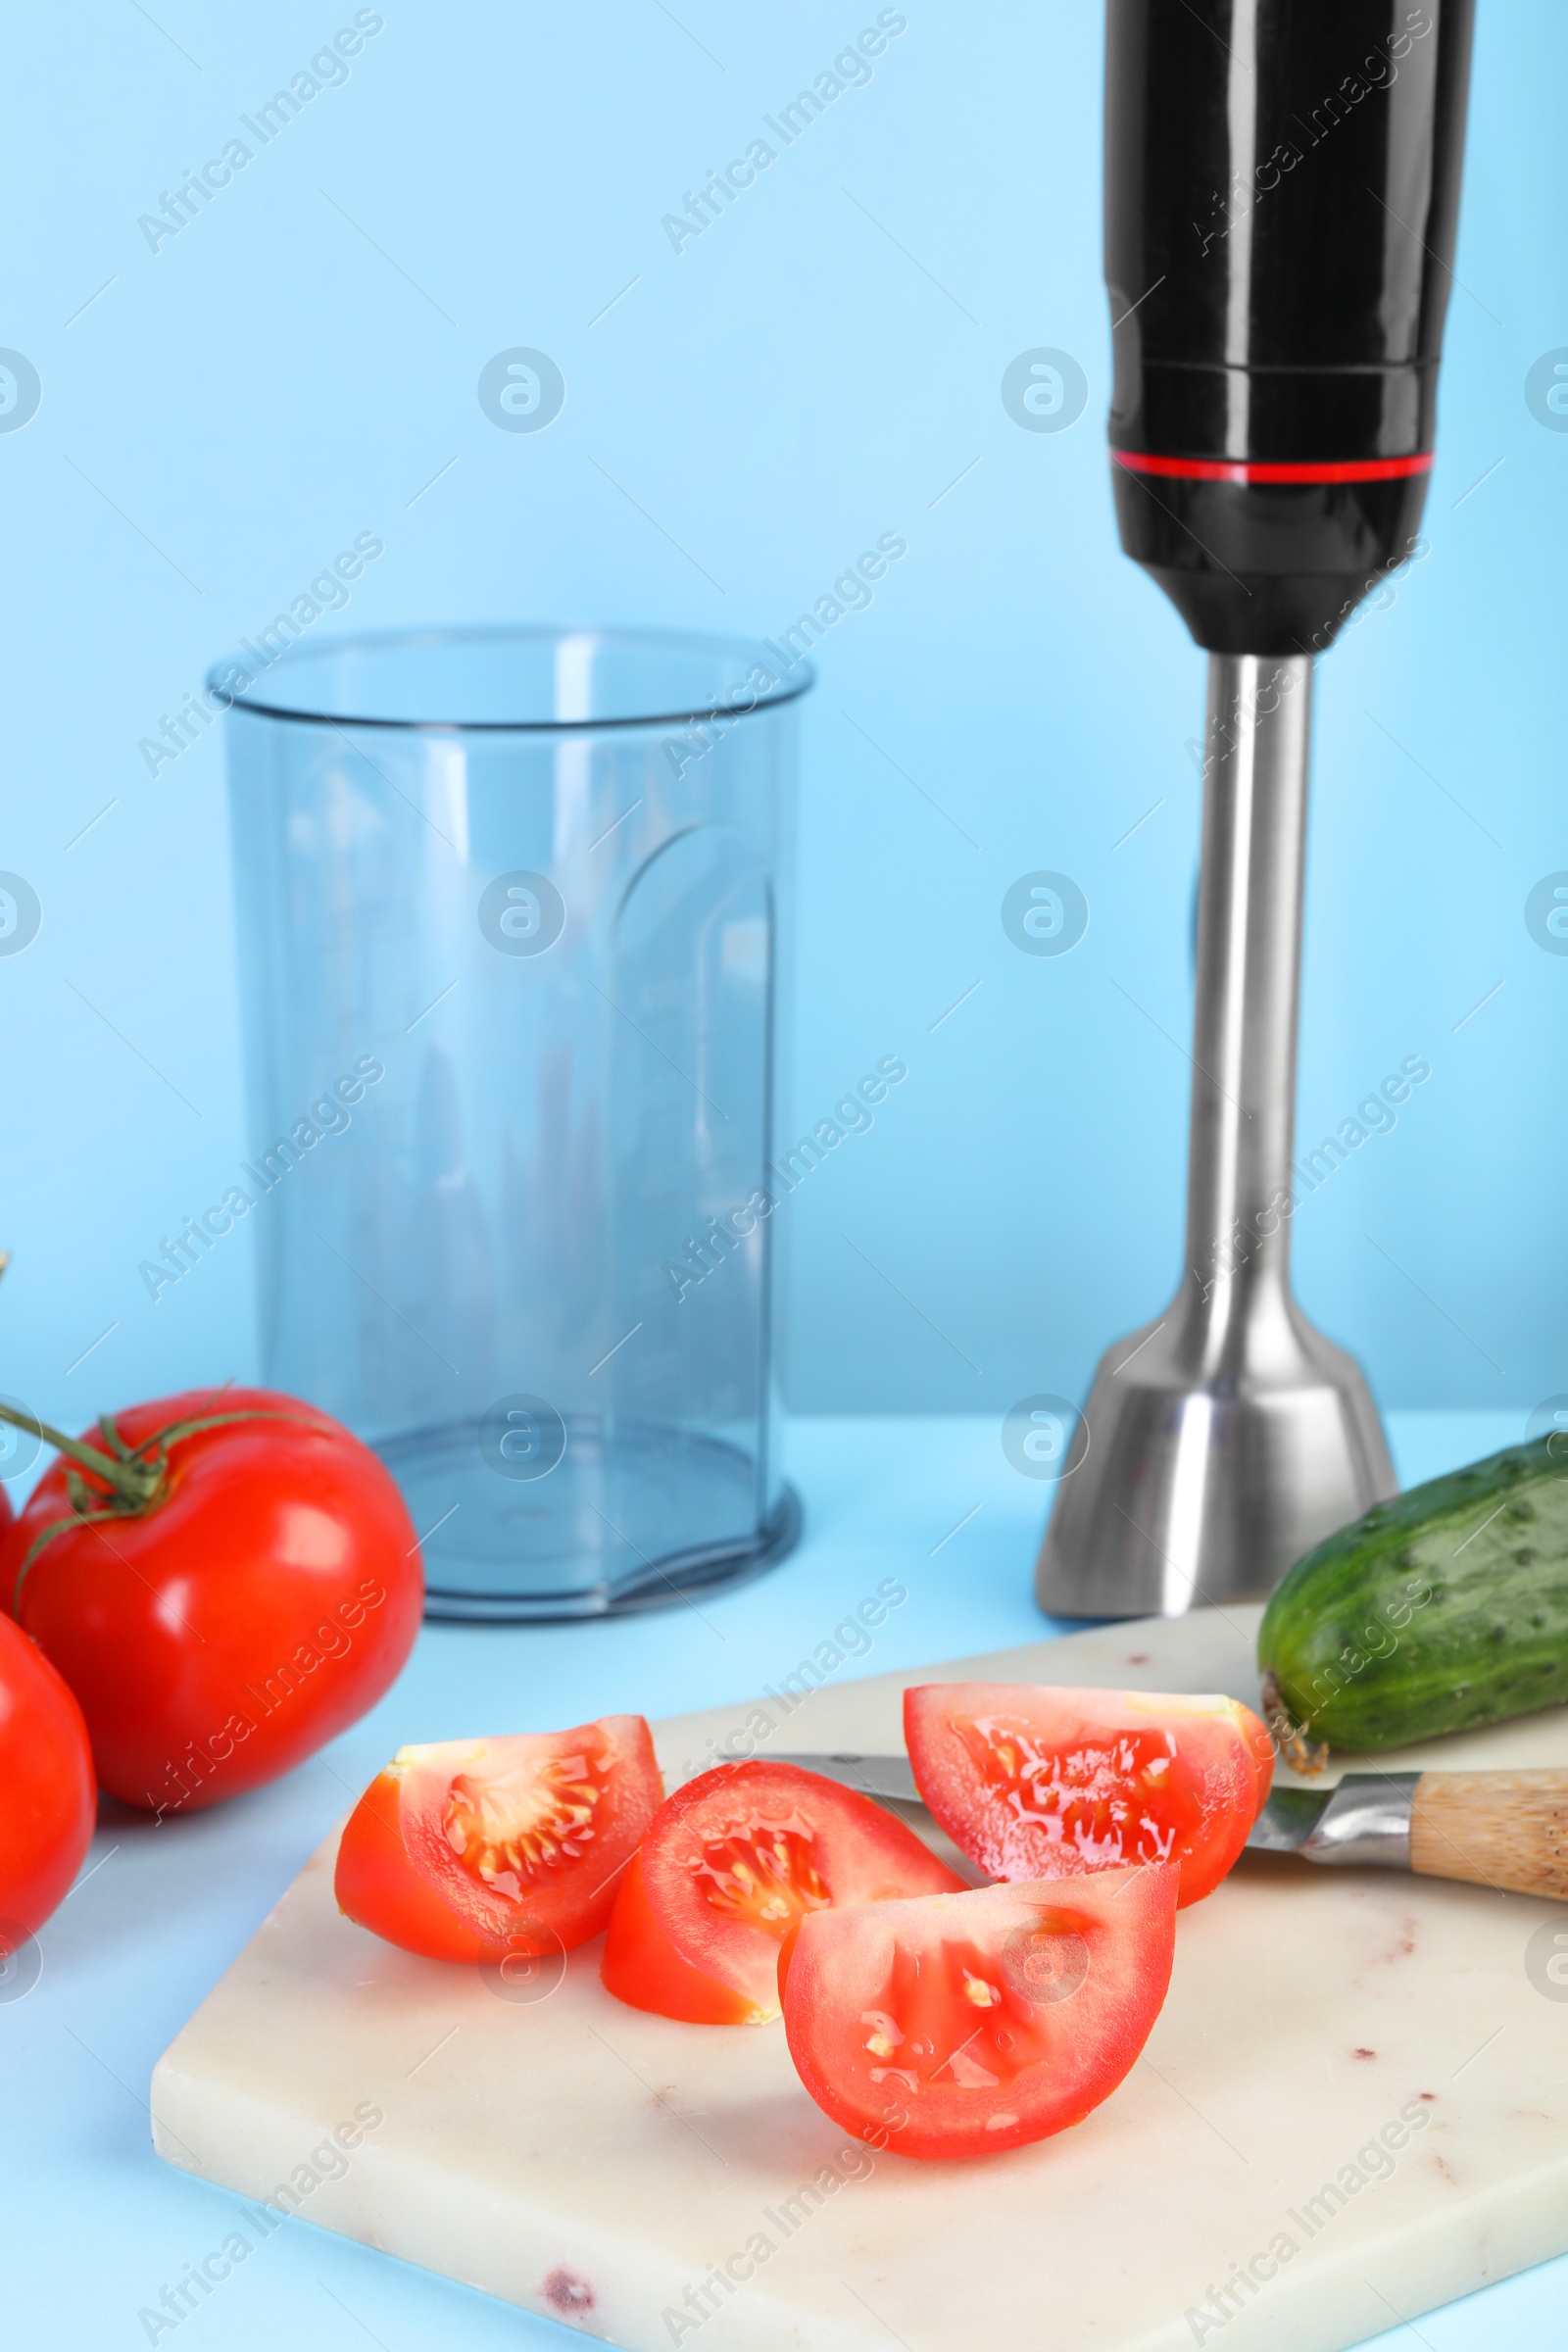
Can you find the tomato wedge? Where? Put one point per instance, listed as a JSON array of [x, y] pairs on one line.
[[1036, 1783], [462, 1848], [729, 1864], [964, 2024]]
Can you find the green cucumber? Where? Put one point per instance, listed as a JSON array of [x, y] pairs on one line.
[[1441, 1610]]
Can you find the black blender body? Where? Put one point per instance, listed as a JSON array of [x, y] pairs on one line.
[[1281, 188], [1281, 194]]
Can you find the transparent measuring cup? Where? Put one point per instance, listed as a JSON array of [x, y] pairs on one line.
[[507, 910]]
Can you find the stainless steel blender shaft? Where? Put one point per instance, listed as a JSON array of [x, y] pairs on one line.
[[1226, 1439], [1257, 744]]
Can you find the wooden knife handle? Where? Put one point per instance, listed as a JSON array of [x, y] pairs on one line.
[[1495, 1829]]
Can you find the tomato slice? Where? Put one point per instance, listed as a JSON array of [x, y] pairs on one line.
[[729, 1864], [964, 2024], [1037, 1782], [462, 1848]]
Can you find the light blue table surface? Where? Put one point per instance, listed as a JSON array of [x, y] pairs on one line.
[[92, 2224]]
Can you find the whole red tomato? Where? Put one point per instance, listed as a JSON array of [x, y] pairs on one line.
[[47, 1799], [260, 1600]]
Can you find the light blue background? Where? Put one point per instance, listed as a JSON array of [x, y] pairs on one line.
[[815, 369]]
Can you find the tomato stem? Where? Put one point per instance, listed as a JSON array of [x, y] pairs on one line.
[[137, 1476], [135, 1482]]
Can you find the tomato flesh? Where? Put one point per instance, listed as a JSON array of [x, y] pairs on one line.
[[1040, 1782], [642, 1967], [510, 1828], [731, 1865], [465, 1848], [48, 1802], [961, 2025]]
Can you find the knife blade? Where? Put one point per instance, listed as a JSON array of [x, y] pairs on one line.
[[889, 1778]]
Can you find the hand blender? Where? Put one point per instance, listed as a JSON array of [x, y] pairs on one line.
[[1282, 182]]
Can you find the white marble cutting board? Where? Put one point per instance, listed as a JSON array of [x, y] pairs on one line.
[[599, 2166]]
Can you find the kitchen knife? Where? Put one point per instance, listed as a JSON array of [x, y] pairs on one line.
[[1504, 1829]]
